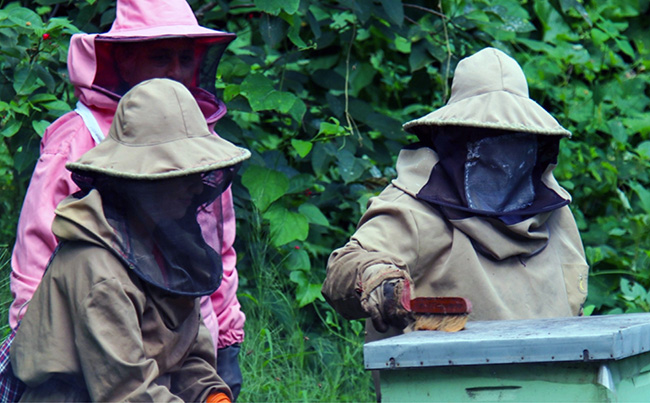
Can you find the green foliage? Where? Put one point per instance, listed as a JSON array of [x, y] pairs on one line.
[[318, 90], [5, 294], [296, 352], [33, 94]]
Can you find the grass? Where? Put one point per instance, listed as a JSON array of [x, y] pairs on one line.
[[293, 354], [288, 362], [5, 293]]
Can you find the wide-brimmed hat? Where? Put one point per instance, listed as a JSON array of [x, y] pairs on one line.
[[158, 132], [489, 90], [91, 61], [138, 20]]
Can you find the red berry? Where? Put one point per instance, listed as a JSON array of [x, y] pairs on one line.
[[46, 36]]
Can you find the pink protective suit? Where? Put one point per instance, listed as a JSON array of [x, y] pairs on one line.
[[91, 71]]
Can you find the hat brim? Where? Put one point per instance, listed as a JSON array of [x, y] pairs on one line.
[[167, 32], [493, 110], [160, 161]]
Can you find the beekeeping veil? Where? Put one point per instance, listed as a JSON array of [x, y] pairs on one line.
[[160, 172], [496, 147]]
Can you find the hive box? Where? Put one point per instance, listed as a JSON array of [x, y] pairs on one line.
[[585, 359]]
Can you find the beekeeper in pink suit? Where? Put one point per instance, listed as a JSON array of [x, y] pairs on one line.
[[148, 39]]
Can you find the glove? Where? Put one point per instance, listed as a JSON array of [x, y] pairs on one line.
[[386, 295], [217, 397]]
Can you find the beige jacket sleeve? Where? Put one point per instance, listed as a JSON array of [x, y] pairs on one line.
[[197, 378], [396, 230]]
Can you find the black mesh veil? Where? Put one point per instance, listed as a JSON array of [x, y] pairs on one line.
[[168, 231], [109, 77]]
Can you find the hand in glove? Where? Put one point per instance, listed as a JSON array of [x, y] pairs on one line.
[[386, 296]]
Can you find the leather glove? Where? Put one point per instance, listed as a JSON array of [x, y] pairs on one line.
[[386, 295]]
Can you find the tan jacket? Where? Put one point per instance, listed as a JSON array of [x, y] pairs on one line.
[[92, 325], [442, 258]]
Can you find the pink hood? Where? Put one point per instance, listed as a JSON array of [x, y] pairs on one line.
[[90, 57]]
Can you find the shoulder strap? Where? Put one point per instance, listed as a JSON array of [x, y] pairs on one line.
[[90, 121]]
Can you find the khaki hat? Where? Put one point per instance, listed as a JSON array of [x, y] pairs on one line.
[[158, 132], [489, 90]]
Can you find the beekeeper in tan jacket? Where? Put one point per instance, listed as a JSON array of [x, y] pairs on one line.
[[117, 314], [474, 212]]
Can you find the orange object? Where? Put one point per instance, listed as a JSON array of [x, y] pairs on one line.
[[448, 314], [218, 397]]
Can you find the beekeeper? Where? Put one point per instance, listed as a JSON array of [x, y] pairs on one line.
[[117, 314], [474, 212], [148, 39]]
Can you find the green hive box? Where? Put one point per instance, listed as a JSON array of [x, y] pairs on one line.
[[585, 359]]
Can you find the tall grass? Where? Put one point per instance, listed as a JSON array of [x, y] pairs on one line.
[[5, 293], [293, 354], [283, 360]]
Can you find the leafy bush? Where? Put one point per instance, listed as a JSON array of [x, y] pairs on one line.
[[318, 90], [33, 93]]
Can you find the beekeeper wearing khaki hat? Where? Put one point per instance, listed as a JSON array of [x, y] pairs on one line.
[[474, 212], [117, 314]]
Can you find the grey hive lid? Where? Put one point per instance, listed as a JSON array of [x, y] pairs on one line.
[[610, 337]]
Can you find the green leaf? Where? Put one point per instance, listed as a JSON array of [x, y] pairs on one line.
[[294, 31], [625, 47], [299, 183], [275, 6], [403, 45], [10, 129], [298, 259], [554, 24], [256, 89], [644, 149], [598, 36], [25, 80], [321, 158], [313, 214], [60, 23], [280, 101], [230, 92], [264, 185], [24, 17], [286, 226], [331, 129], [389, 127], [644, 195], [269, 6], [639, 124], [310, 293], [361, 77], [306, 292], [618, 130], [395, 10], [272, 30], [36, 98], [302, 147], [45, 76], [350, 167], [617, 232], [298, 110], [57, 107], [40, 126], [576, 6], [419, 56]]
